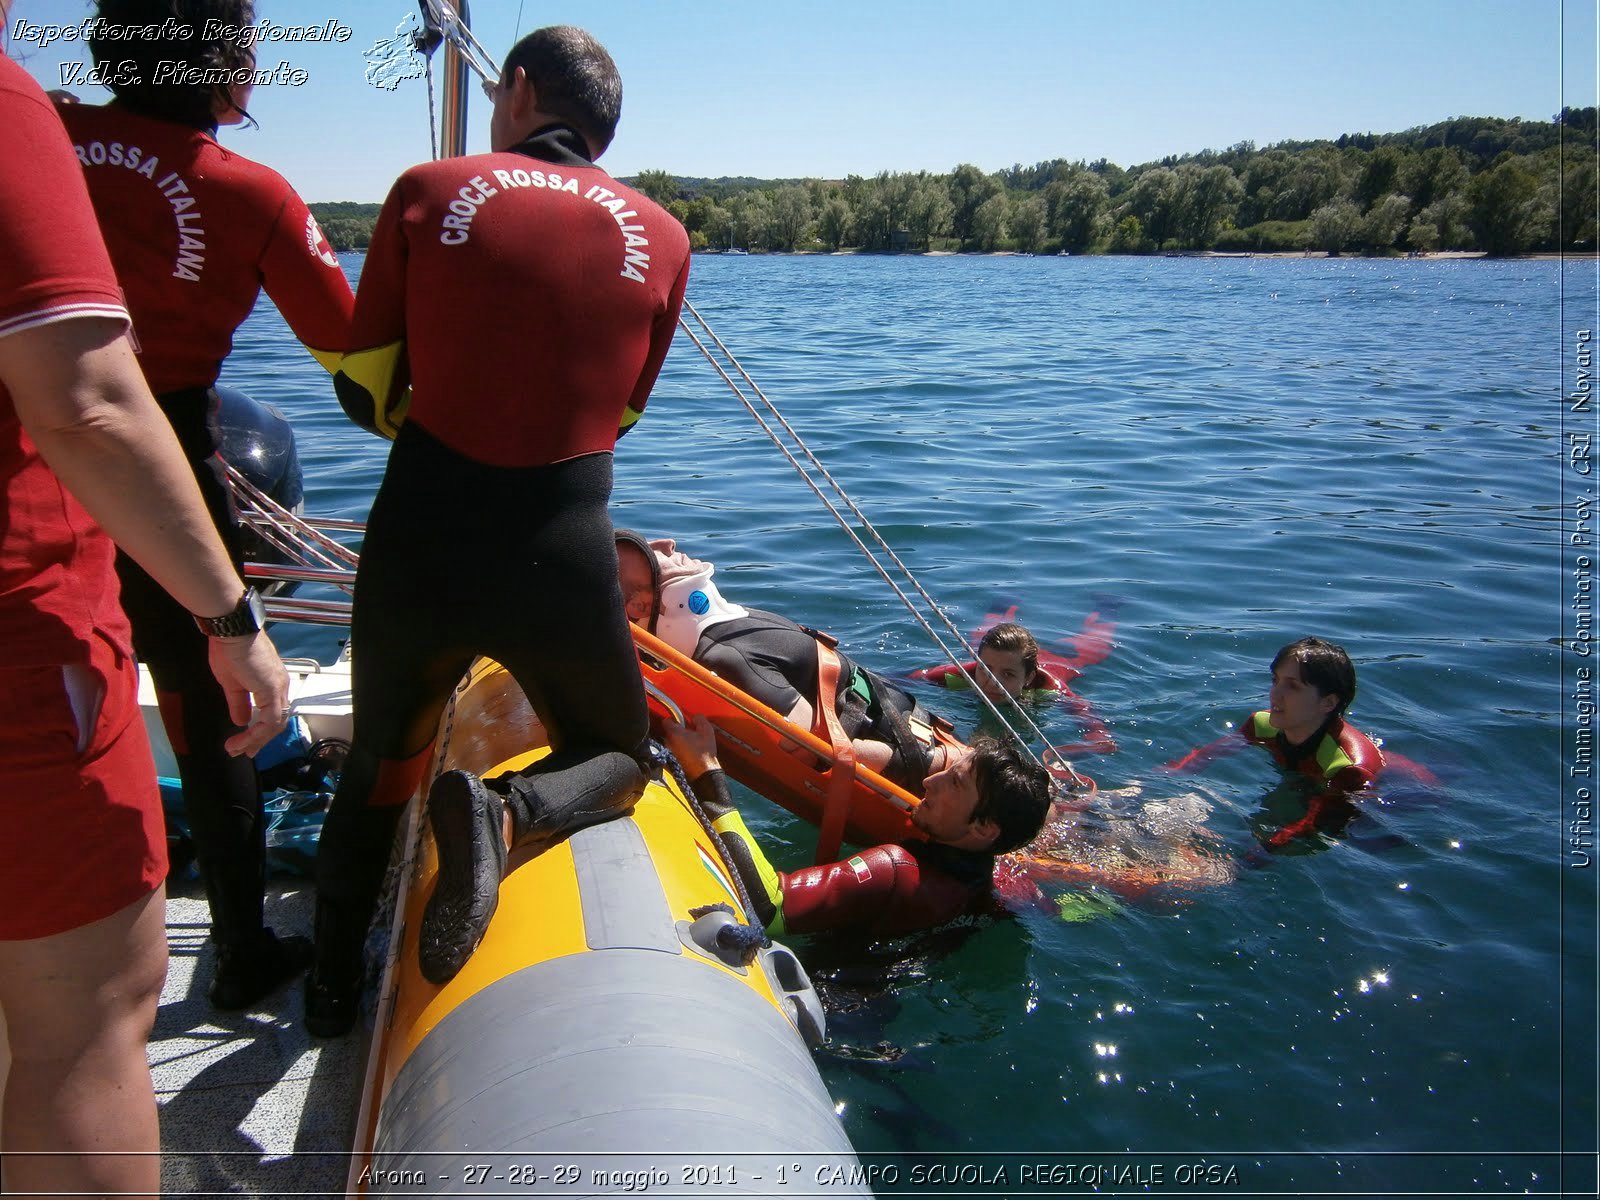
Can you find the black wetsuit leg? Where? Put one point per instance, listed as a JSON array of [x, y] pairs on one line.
[[221, 795], [568, 645], [463, 559]]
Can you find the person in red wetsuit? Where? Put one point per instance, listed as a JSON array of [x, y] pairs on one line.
[[195, 232], [84, 453], [1017, 667], [984, 800], [1303, 728], [513, 314]]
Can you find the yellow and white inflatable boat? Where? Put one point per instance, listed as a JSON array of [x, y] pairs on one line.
[[597, 1042]]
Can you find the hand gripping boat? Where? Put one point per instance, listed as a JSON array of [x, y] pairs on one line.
[[598, 1042]]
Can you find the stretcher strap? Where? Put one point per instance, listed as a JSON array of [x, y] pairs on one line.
[[842, 777]]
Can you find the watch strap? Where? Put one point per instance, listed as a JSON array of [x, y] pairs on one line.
[[246, 617]]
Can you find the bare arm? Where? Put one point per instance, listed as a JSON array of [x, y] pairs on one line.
[[83, 401]]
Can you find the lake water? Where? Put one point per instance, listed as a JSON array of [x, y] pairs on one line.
[[1241, 451]]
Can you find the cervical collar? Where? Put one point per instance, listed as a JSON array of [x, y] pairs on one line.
[[690, 602]]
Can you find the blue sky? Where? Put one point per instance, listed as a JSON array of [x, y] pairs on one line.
[[827, 88]]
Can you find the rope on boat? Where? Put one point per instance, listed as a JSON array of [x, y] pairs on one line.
[[815, 464], [442, 17], [753, 936]]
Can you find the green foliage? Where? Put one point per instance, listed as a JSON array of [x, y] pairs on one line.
[[347, 233], [346, 224], [1075, 206], [791, 217], [1153, 198], [833, 223], [1577, 209], [1025, 221], [1378, 175], [1432, 175], [1335, 226], [750, 221], [1267, 237], [1381, 226], [660, 186], [989, 223], [1505, 211], [1205, 199], [970, 189], [1128, 237], [1504, 186], [1423, 236], [930, 212]]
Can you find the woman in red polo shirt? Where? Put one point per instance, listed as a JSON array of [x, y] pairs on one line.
[[195, 232], [82, 937]]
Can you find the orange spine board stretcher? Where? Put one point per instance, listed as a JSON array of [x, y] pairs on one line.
[[768, 754]]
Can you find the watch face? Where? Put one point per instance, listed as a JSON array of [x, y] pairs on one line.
[[247, 616]]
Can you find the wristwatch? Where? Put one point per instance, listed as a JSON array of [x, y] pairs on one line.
[[247, 616]]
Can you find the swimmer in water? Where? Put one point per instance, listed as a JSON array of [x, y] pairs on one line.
[[1303, 728], [1018, 668]]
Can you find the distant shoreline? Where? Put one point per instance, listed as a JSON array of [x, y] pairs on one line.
[[1431, 255]]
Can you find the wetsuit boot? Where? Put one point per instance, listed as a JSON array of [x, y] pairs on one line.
[[569, 791], [224, 810], [468, 830], [351, 866], [333, 987]]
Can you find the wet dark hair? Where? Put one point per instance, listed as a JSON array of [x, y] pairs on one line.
[[1324, 666], [632, 537], [192, 104], [1013, 791], [574, 78], [1008, 637]]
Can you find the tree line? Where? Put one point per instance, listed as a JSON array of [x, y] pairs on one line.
[[1471, 183]]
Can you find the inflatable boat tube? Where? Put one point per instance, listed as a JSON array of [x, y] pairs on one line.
[[598, 1040]]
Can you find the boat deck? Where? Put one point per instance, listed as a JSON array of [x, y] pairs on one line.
[[251, 1104]]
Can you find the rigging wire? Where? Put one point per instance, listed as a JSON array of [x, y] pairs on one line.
[[285, 531]]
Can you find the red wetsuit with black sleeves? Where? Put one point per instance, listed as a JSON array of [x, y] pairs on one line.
[[526, 297], [80, 817], [1339, 757], [195, 232], [889, 890]]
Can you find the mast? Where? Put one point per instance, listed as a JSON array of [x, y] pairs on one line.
[[457, 83]]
